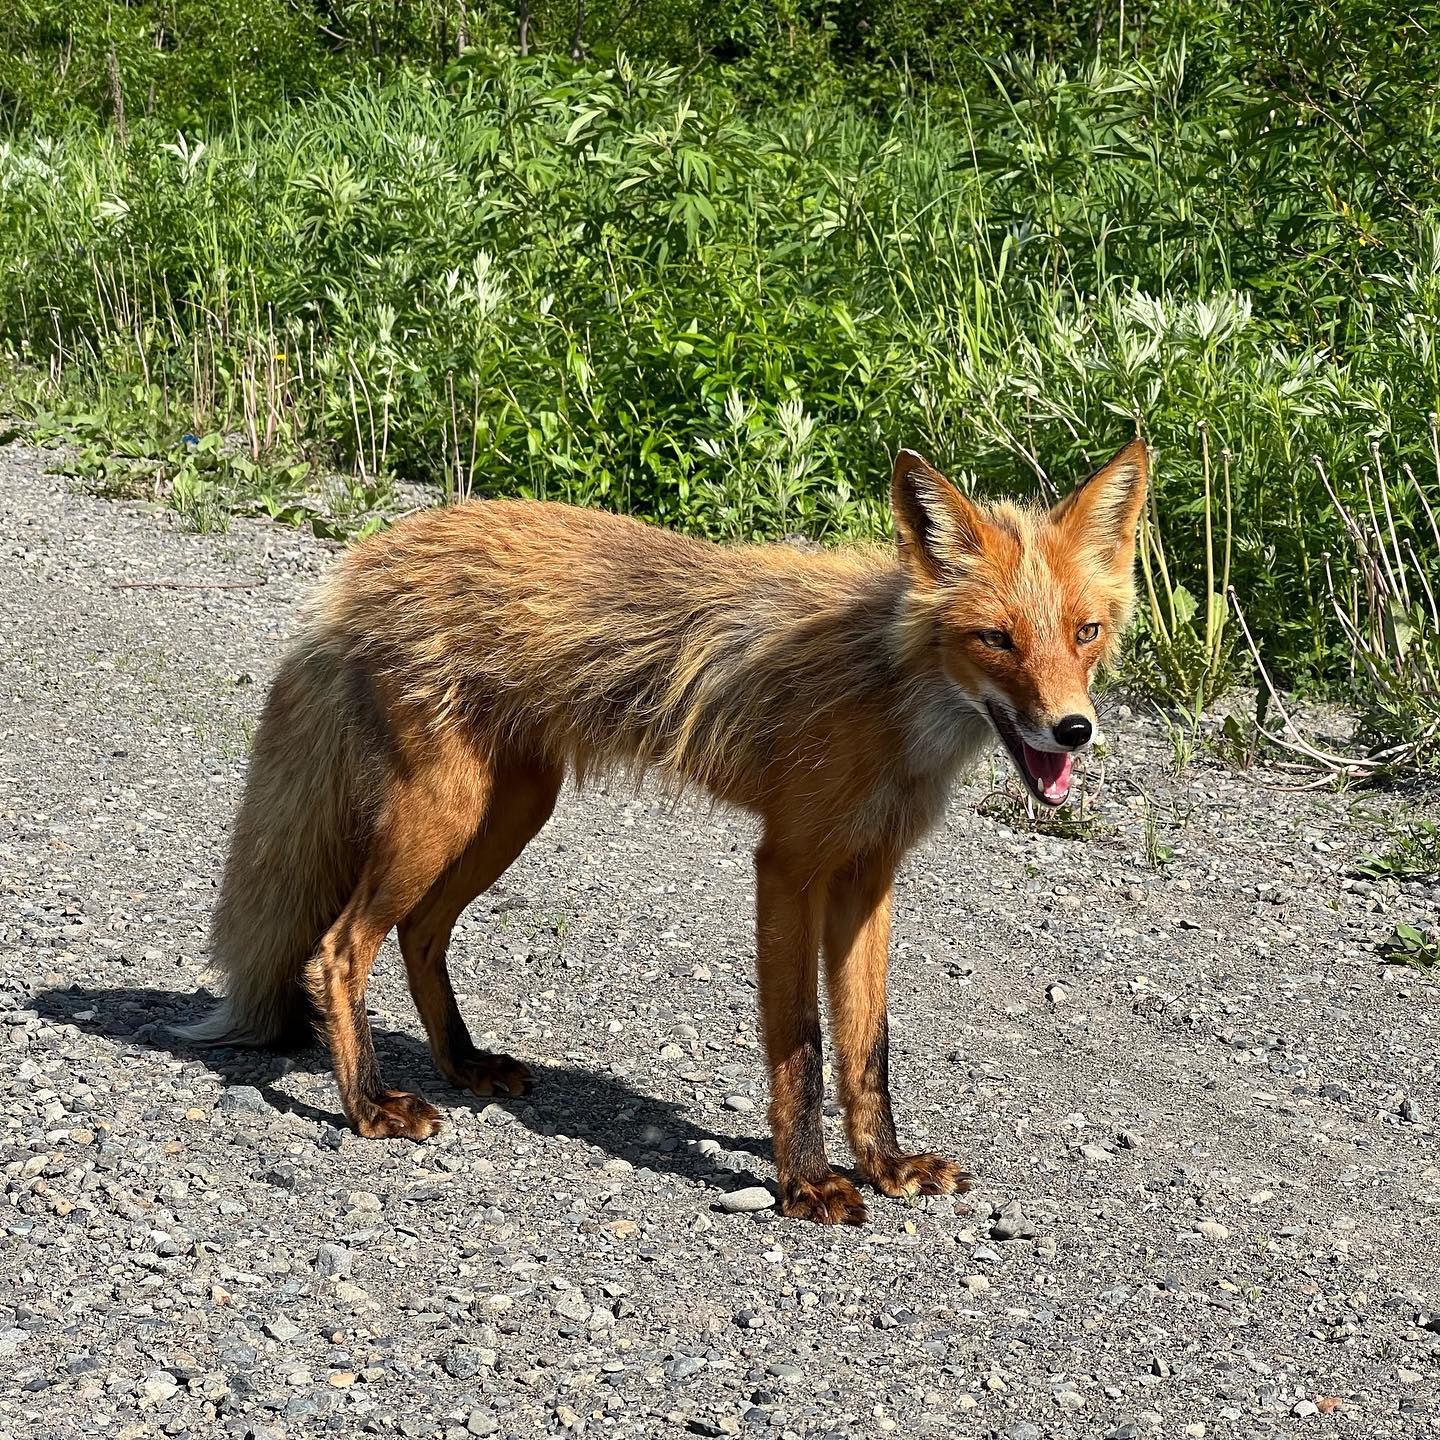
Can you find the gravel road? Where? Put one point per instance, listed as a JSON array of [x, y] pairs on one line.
[[1202, 1115]]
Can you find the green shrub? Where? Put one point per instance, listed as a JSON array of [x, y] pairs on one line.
[[721, 297]]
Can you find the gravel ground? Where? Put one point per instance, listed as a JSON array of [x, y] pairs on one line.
[[1201, 1113]]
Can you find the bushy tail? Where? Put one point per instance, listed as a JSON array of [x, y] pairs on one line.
[[295, 851]]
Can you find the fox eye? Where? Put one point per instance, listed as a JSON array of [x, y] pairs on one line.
[[1087, 632], [995, 639]]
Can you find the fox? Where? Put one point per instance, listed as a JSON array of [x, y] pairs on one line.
[[451, 672]]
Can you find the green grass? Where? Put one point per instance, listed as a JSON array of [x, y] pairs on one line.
[[1413, 852], [622, 285]]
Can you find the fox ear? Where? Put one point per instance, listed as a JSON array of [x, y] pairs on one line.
[[1103, 511], [936, 527]]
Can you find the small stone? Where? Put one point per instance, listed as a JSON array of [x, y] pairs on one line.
[[363, 1200], [242, 1100], [1057, 994], [158, 1387], [572, 1305], [462, 1363], [332, 1260], [1070, 1400], [1305, 1407], [282, 1328], [742, 1103], [1213, 1229], [746, 1201], [682, 1367], [976, 1284], [1012, 1225]]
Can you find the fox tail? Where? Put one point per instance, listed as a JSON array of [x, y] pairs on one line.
[[295, 851]]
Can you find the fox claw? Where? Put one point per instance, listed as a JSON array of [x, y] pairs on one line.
[[396, 1115], [906, 1175], [491, 1075], [831, 1200]]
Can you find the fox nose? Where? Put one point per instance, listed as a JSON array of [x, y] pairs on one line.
[[1072, 732]]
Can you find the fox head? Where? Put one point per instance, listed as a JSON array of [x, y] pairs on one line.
[[1019, 605]]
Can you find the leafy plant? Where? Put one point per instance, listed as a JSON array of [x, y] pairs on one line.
[[1413, 854], [1411, 946], [1158, 853]]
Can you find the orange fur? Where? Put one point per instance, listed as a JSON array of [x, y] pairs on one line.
[[454, 668]]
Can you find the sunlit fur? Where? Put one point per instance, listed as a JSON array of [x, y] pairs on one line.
[[453, 669]]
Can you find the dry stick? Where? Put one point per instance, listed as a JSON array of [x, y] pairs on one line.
[[1295, 743], [1150, 541], [1204, 430], [189, 584], [1371, 573], [1389, 523], [1225, 458], [1378, 548]]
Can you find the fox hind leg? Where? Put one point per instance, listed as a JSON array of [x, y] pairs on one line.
[[522, 797], [425, 823]]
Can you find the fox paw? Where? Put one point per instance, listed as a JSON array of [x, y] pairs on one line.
[[830, 1200], [904, 1175], [396, 1115], [490, 1075]]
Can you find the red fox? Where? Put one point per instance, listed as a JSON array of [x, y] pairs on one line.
[[453, 669]]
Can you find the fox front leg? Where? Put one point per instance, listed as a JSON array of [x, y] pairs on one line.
[[857, 953], [789, 913]]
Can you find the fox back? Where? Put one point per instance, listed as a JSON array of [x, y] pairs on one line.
[[856, 682]]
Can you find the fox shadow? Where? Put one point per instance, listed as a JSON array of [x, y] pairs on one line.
[[589, 1105]]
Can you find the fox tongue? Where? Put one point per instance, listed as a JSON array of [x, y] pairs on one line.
[[1049, 771]]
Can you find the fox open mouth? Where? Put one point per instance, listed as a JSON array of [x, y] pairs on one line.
[[1046, 773]]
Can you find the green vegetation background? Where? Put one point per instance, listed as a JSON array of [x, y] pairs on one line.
[[714, 262]]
